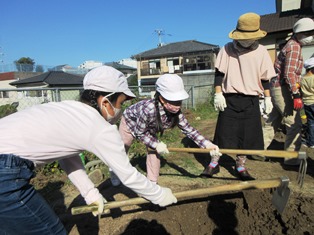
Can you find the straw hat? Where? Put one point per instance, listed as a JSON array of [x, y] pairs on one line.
[[248, 27]]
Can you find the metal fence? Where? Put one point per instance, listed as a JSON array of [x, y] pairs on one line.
[[27, 97]]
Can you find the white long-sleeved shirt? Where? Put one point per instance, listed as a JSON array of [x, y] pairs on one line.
[[60, 131]]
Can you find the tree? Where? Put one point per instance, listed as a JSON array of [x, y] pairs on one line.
[[39, 68], [24, 64], [133, 80]]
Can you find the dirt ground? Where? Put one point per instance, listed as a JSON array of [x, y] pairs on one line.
[[243, 212]]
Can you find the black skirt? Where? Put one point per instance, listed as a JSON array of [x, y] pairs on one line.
[[239, 126]]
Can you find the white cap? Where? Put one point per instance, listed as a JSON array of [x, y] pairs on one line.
[[107, 79], [303, 25], [309, 63], [170, 86]]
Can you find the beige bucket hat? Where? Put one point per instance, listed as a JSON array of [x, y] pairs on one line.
[[248, 27]]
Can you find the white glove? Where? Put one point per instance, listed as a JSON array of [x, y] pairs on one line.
[[268, 105], [169, 198], [219, 102], [214, 150], [101, 204], [161, 148]]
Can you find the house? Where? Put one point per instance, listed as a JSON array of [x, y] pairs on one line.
[[49, 86], [50, 79], [184, 57], [125, 69], [279, 25], [129, 62], [90, 64], [8, 77]]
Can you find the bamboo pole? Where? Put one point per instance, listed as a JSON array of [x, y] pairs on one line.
[[256, 184], [267, 153]]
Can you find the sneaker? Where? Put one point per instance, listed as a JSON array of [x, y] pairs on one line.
[[259, 158], [115, 181], [244, 175], [210, 171]]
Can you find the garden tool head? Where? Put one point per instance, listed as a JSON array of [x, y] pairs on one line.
[[281, 195]]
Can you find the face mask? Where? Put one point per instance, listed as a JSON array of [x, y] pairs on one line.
[[305, 40], [117, 113], [246, 43], [172, 108]]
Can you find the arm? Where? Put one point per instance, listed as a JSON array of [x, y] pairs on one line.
[[192, 133], [75, 170], [291, 68], [108, 146], [146, 119], [268, 105], [218, 80], [219, 99]]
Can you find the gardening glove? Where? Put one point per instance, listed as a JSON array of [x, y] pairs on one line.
[[214, 150], [268, 105], [161, 148], [101, 204], [297, 101], [168, 199], [219, 102]]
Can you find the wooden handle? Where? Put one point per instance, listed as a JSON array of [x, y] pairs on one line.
[[256, 184], [267, 153]]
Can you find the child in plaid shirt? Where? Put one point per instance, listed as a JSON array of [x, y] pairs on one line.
[[145, 119]]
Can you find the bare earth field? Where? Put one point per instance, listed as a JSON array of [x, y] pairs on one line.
[[245, 212]]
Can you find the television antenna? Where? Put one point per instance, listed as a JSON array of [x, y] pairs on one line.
[[160, 33]]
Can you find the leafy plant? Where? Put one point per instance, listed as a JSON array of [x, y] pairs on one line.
[[7, 109]]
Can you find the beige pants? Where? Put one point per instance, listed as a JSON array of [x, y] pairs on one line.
[[283, 113], [152, 159]]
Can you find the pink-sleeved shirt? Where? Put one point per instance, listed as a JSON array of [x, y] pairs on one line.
[[244, 72]]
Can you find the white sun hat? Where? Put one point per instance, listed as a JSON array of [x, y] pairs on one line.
[[171, 87], [107, 79], [303, 25], [309, 63]]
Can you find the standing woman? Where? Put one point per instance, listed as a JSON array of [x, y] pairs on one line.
[[59, 132], [243, 71]]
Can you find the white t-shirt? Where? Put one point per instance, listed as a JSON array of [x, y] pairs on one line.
[[60, 131]]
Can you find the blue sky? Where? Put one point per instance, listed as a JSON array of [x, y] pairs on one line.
[[71, 32]]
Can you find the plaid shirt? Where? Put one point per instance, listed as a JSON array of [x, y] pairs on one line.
[[141, 120], [288, 66]]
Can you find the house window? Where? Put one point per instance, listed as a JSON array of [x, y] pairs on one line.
[[196, 62], [148, 84], [4, 94], [33, 94], [151, 67], [174, 65], [154, 67]]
